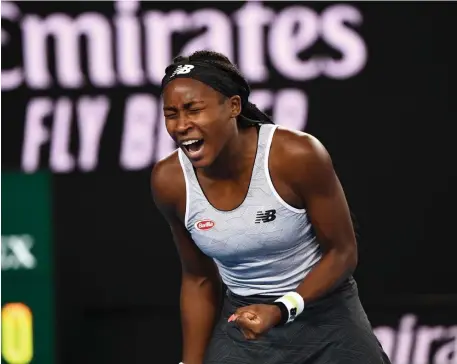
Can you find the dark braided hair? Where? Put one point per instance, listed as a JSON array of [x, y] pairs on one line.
[[251, 114]]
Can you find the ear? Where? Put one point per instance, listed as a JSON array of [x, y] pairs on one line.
[[235, 106]]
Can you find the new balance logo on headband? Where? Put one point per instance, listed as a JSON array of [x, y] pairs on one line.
[[182, 69], [265, 216]]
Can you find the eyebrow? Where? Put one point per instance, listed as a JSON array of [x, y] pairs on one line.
[[186, 105]]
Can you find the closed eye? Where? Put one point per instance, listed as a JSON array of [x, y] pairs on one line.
[[195, 111]]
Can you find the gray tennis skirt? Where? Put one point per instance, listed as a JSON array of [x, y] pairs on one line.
[[332, 330]]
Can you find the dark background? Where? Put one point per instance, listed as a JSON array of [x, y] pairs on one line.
[[389, 130]]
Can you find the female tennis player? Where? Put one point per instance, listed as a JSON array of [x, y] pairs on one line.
[[259, 207]]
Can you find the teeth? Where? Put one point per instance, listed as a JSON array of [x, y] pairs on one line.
[[189, 142]]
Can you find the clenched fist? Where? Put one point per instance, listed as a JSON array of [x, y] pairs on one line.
[[254, 320]]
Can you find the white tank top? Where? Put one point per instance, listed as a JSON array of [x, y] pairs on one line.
[[264, 246]]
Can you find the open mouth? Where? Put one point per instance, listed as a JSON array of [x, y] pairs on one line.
[[193, 146]]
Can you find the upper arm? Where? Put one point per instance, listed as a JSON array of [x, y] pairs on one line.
[[316, 183], [168, 197]]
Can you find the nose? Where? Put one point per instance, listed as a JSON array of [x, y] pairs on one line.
[[183, 124]]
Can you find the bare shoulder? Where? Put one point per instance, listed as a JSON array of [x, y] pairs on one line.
[[300, 161], [167, 181], [298, 148]]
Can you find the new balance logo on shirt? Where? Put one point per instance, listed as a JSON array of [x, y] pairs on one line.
[[265, 216]]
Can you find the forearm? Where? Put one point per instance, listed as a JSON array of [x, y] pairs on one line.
[[334, 267], [200, 303]]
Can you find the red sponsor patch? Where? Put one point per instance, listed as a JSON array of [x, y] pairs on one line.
[[204, 224]]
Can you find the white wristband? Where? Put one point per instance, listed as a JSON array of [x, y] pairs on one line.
[[294, 303]]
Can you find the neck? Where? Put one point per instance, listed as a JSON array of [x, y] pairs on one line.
[[235, 158]]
